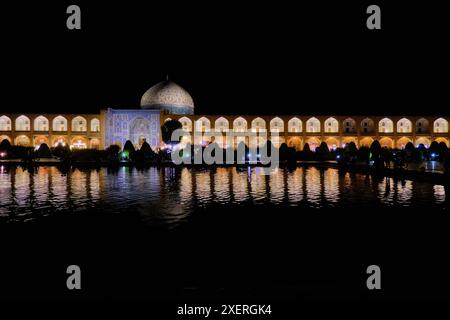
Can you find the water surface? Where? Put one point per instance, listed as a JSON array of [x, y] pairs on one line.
[[169, 196]]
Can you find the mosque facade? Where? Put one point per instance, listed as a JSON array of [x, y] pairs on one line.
[[167, 100]]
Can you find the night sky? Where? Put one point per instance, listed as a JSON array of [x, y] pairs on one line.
[[258, 58]]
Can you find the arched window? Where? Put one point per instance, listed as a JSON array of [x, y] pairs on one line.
[[313, 125], [331, 125], [186, 124], [41, 124], [5, 123], [203, 125], [221, 125], [79, 124], [349, 125], [295, 125], [276, 125], [440, 126], [59, 123], [22, 123], [386, 126], [95, 125], [404, 126], [422, 126], [239, 125], [367, 126], [258, 125]]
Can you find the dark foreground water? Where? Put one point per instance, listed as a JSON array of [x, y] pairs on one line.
[[221, 235], [169, 196]]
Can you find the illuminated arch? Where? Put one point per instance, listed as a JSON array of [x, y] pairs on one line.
[[5, 137], [276, 125], [277, 141], [41, 123], [202, 125], [95, 125], [366, 142], [422, 140], [295, 142], [387, 142], [440, 126], [295, 125], [349, 125], [313, 125], [442, 139], [347, 140], [22, 141], [186, 124], [95, 144], [56, 140], [79, 124], [221, 125], [59, 124], [240, 125], [79, 142], [332, 143], [313, 143], [38, 140], [422, 126], [5, 123], [404, 126], [385, 125], [367, 126], [23, 123], [258, 125], [401, 143], [331, 125]]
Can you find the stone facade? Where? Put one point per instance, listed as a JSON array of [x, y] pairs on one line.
[[167, 100]]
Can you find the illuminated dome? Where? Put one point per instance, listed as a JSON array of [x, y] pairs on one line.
[[169, 97]]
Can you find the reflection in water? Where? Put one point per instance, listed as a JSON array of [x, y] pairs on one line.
[[295, 185], [222, 185], [239, 185], [203, 186], [170, 195], [439, 193], [313, 185]]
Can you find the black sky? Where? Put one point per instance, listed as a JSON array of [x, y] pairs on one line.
[[259, 58]]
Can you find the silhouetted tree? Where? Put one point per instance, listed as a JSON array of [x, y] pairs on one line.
[[44, 151], [434, 147], [168, 128], [5, 145], [113, 152], [129, 147], [443, 151], [147, 151], [409, 147], [351, 147], [363, 154], [306, 147], [375, 150], [62, 152]]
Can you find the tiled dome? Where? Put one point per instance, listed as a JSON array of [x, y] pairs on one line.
[[168, 96]]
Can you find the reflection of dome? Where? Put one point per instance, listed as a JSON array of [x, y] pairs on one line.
[[168, 96]]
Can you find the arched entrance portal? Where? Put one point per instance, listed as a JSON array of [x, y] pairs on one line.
[[139, 131]]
